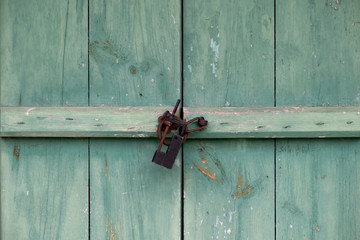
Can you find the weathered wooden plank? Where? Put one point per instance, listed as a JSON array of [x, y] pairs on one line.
[[44, 182], [317, 59], [135, 52], [80, 121], [228, 61], [134, 61], [317, 53], [141, 122], [228, 184], [277, 122], [228, 53], [43, 53], [44, 189], [131, 197], [318, 189]]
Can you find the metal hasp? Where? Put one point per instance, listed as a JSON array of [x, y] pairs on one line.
[[168, 122]]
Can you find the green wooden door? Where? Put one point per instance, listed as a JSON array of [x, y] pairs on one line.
[[80, 168], [272, 53]]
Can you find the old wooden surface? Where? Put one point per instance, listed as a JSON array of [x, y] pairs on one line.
[[131, 197], [228, 53], [317, 184], [44, 189], [233, 188], [317, 53], [317, 189], [43, 53], [229, 189], [134, 61], [141, 122], [277, 122], [125, 122], [135, 52], [44, 192], [228, 61]]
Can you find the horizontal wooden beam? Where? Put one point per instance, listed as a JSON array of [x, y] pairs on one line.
[[124, 122], [141, 122], [278, 122]]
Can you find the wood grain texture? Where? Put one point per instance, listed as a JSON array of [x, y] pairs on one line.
[[229, 189], [44, 189], [318, 189], [228, 61], [131, 197], [317, 53], [135, 52], [43, 53], [141, 122], [134, 61], [228, 53], [43, 62], [277, 122], [125, 122], [317, 183]]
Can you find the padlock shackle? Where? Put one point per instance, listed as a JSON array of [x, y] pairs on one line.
[[176, 107], [163, 137]]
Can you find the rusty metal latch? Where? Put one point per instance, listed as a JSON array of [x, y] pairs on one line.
[[168, 122]]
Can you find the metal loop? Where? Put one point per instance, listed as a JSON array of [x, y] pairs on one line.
[[176, 123], [202, 123]]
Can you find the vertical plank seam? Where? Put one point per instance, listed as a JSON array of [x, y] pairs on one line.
[[274, 53], [64, 46], [275, 189], [88, 50], [275, 106], [89, 187], [182, 222], [88, 82]]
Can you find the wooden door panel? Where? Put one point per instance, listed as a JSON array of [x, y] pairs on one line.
[[44, 183], [135, 53], [134, 61], [43, 53], [317, 185], [228, 53], [228, 61], [131, 197], [232, 188], [44, 192], [317, 189], [317, 53], [229, 189]]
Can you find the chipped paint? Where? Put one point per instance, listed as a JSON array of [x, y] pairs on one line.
[[124, 108], [243, 190], [212, 167], [291, 208], [215, 48], [203, 170], [29, 110], [173, 19], [230, 216], [16, 152], [190, 68], [106, 167], [112, 229]]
